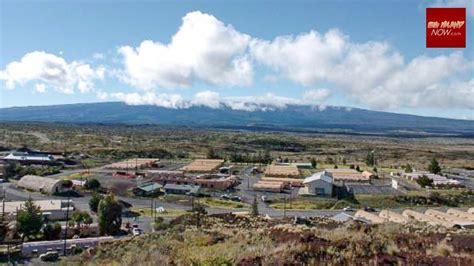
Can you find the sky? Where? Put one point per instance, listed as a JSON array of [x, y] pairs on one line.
[[246, 55]]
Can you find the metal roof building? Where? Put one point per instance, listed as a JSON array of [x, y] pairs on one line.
[[43, 184]]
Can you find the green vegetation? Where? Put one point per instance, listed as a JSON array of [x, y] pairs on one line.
[[80, 218], [92, 184], [255, 207], [94, 201], [224, 204], [230, 240], [110, 215], [424, 181], [29, 219], [434, 167]]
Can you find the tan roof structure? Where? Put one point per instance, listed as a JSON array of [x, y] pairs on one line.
[[393, 217], [136, 163], [273, 170], [348, 175], [471, 210], [426, 218], [286, 181], [461, 214], [268, 186], [43, 184], [449, 218], [203, 165], [369, 216], [44, 205]]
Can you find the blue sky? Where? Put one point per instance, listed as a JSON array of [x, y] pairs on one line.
[[241, 54]]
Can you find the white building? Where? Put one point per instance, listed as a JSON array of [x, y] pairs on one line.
[[52, 209], [318, 184]]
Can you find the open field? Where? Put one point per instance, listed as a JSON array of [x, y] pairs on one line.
[[115, 142]]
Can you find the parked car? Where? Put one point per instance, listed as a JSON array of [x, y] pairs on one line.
[[49, 256], [348, 209], [137, 231], [225, 196], [236, 198], [264, 198], [369, 209]]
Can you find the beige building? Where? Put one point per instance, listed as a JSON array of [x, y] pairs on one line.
[[42, 184], [51, 209], [273, 170], [203, 165]]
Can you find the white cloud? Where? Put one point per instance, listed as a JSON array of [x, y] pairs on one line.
[[207, 98], [372, 73], [316, 95], [52, 71], [468, 4], [203, 49], [102, 95], [41, 88], [150, 98]]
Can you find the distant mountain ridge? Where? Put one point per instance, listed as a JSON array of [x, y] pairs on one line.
[[291, 118]]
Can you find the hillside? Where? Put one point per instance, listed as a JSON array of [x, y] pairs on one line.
[[292, 118]]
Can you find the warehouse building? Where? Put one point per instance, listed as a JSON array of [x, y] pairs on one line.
[[44, 185], [203, 165], [370, 217], [294, 182], [461, 214], [268, 186], [319, 184], [414, 215], [182, 189], [51, 209], [393, 217], [450, 218], [148, 189], [137, 163], [281, 171], [348, 175]]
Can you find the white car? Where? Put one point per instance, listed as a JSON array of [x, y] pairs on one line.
[[137, 231], [348, 209]]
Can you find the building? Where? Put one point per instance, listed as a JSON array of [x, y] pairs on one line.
[[294, 182], [319, 184], [274, 170], [370, 217], [30, 158], [268, 186], [437, 179], [44, 185], [148, 189], [347, 175], [137, 163], [431, 220], [164, 174], [394, 217], [461, 214], [343, 217], [203, 165], [182, 189], [205, 181], [51, 209], [460, 222]]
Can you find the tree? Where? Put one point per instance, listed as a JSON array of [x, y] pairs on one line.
[[434, 167], [81, 217], [29, 219], [370, 159], [255, 207], [351, 166], [11, 169], [92, 184], [375, 169], [94, 201], [357, 168], [408, 169], [211, 154], [344, 161], [52, 231], [335, 166], [424, 181], [314, 164], [110, 215]]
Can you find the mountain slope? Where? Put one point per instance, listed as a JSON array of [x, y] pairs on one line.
[[298, 118]]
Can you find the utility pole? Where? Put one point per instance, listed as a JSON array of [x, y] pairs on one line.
[[67, 220]]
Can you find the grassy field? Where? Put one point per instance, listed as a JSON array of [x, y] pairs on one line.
[[452, 198], [223, 204], [168, 213]]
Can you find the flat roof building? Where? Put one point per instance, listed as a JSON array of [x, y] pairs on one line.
[[282, 170], [370, 217], [461, 214], [148, 189], [348, 175], [393, 217], [182, 189], [203, 165], [52, 209]]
